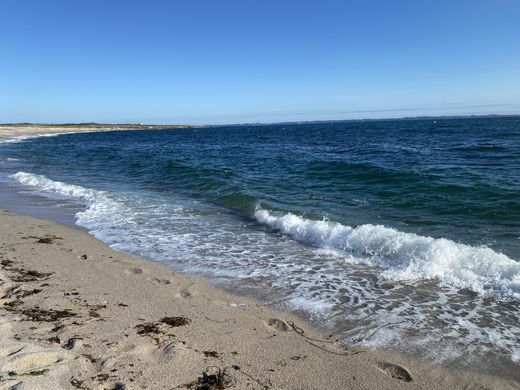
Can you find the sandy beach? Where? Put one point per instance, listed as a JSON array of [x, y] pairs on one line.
[[79, 315], [76, 314], [34, 130]]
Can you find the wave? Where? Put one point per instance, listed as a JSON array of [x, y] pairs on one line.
[[60, 188], [101, 209], [196, 239], [405, 256], [20, 138], [400, 255]]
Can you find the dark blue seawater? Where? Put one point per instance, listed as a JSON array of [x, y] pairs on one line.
[[402, 233]]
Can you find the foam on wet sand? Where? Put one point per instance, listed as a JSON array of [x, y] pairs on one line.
[[76, 314]]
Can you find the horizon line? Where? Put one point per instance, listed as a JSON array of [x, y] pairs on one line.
[[165, 125]]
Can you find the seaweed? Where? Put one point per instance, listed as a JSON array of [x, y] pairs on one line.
[[28, 275], [77, 383], [11, 305], [153, 328], [29, 373], [212, 378], [147, 328], [44, 315], [19, 293], [93, 310], [6, 263], [48, 239], [91, 358], [175, 321], [54, 339]]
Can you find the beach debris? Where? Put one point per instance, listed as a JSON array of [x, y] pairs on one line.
[[72, 342], [102, 377], [29, 373], [54, 339], [77, 383], [26, 293], [312, 341], [18, 293], [213, 354], [6, 263], [175, 321], [28, 275], [278, 324], [90, 358], [23, 275], [47, 239], [12, 304], [161, 281], [44, 315], [212, 378], [395, 371], [154, 328], [93, 310], [147, 328]]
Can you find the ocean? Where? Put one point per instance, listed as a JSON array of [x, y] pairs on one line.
[[396, 234]]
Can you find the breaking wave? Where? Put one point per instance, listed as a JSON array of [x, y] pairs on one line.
[[405, 256]]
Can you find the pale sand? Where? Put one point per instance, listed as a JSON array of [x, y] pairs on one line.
[[7, 131], [111, 297]]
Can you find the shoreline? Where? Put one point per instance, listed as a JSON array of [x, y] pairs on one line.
[[237, 329], [23, 130], [82, 314]]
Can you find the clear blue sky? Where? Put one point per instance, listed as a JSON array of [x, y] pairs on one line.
[[223, 61]]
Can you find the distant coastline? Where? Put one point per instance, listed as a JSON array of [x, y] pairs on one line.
[[94, 125], [86, 126], [400, 118], [9, 130]]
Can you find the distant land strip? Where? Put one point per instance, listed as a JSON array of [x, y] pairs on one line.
[[94, 125]]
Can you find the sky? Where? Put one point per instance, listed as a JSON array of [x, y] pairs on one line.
[[242, 61]]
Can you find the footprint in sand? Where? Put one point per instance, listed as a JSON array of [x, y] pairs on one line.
[[135, 270], [160, 281], [183, 294], [395, 371], [33, 361], [278, 324]]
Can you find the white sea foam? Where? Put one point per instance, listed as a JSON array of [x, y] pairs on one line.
[[60, 188], [20, 138], [402, 256], [101, 212], [405, 256], [335, 281]]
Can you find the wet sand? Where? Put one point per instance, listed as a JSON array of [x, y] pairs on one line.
[[77, 314]]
